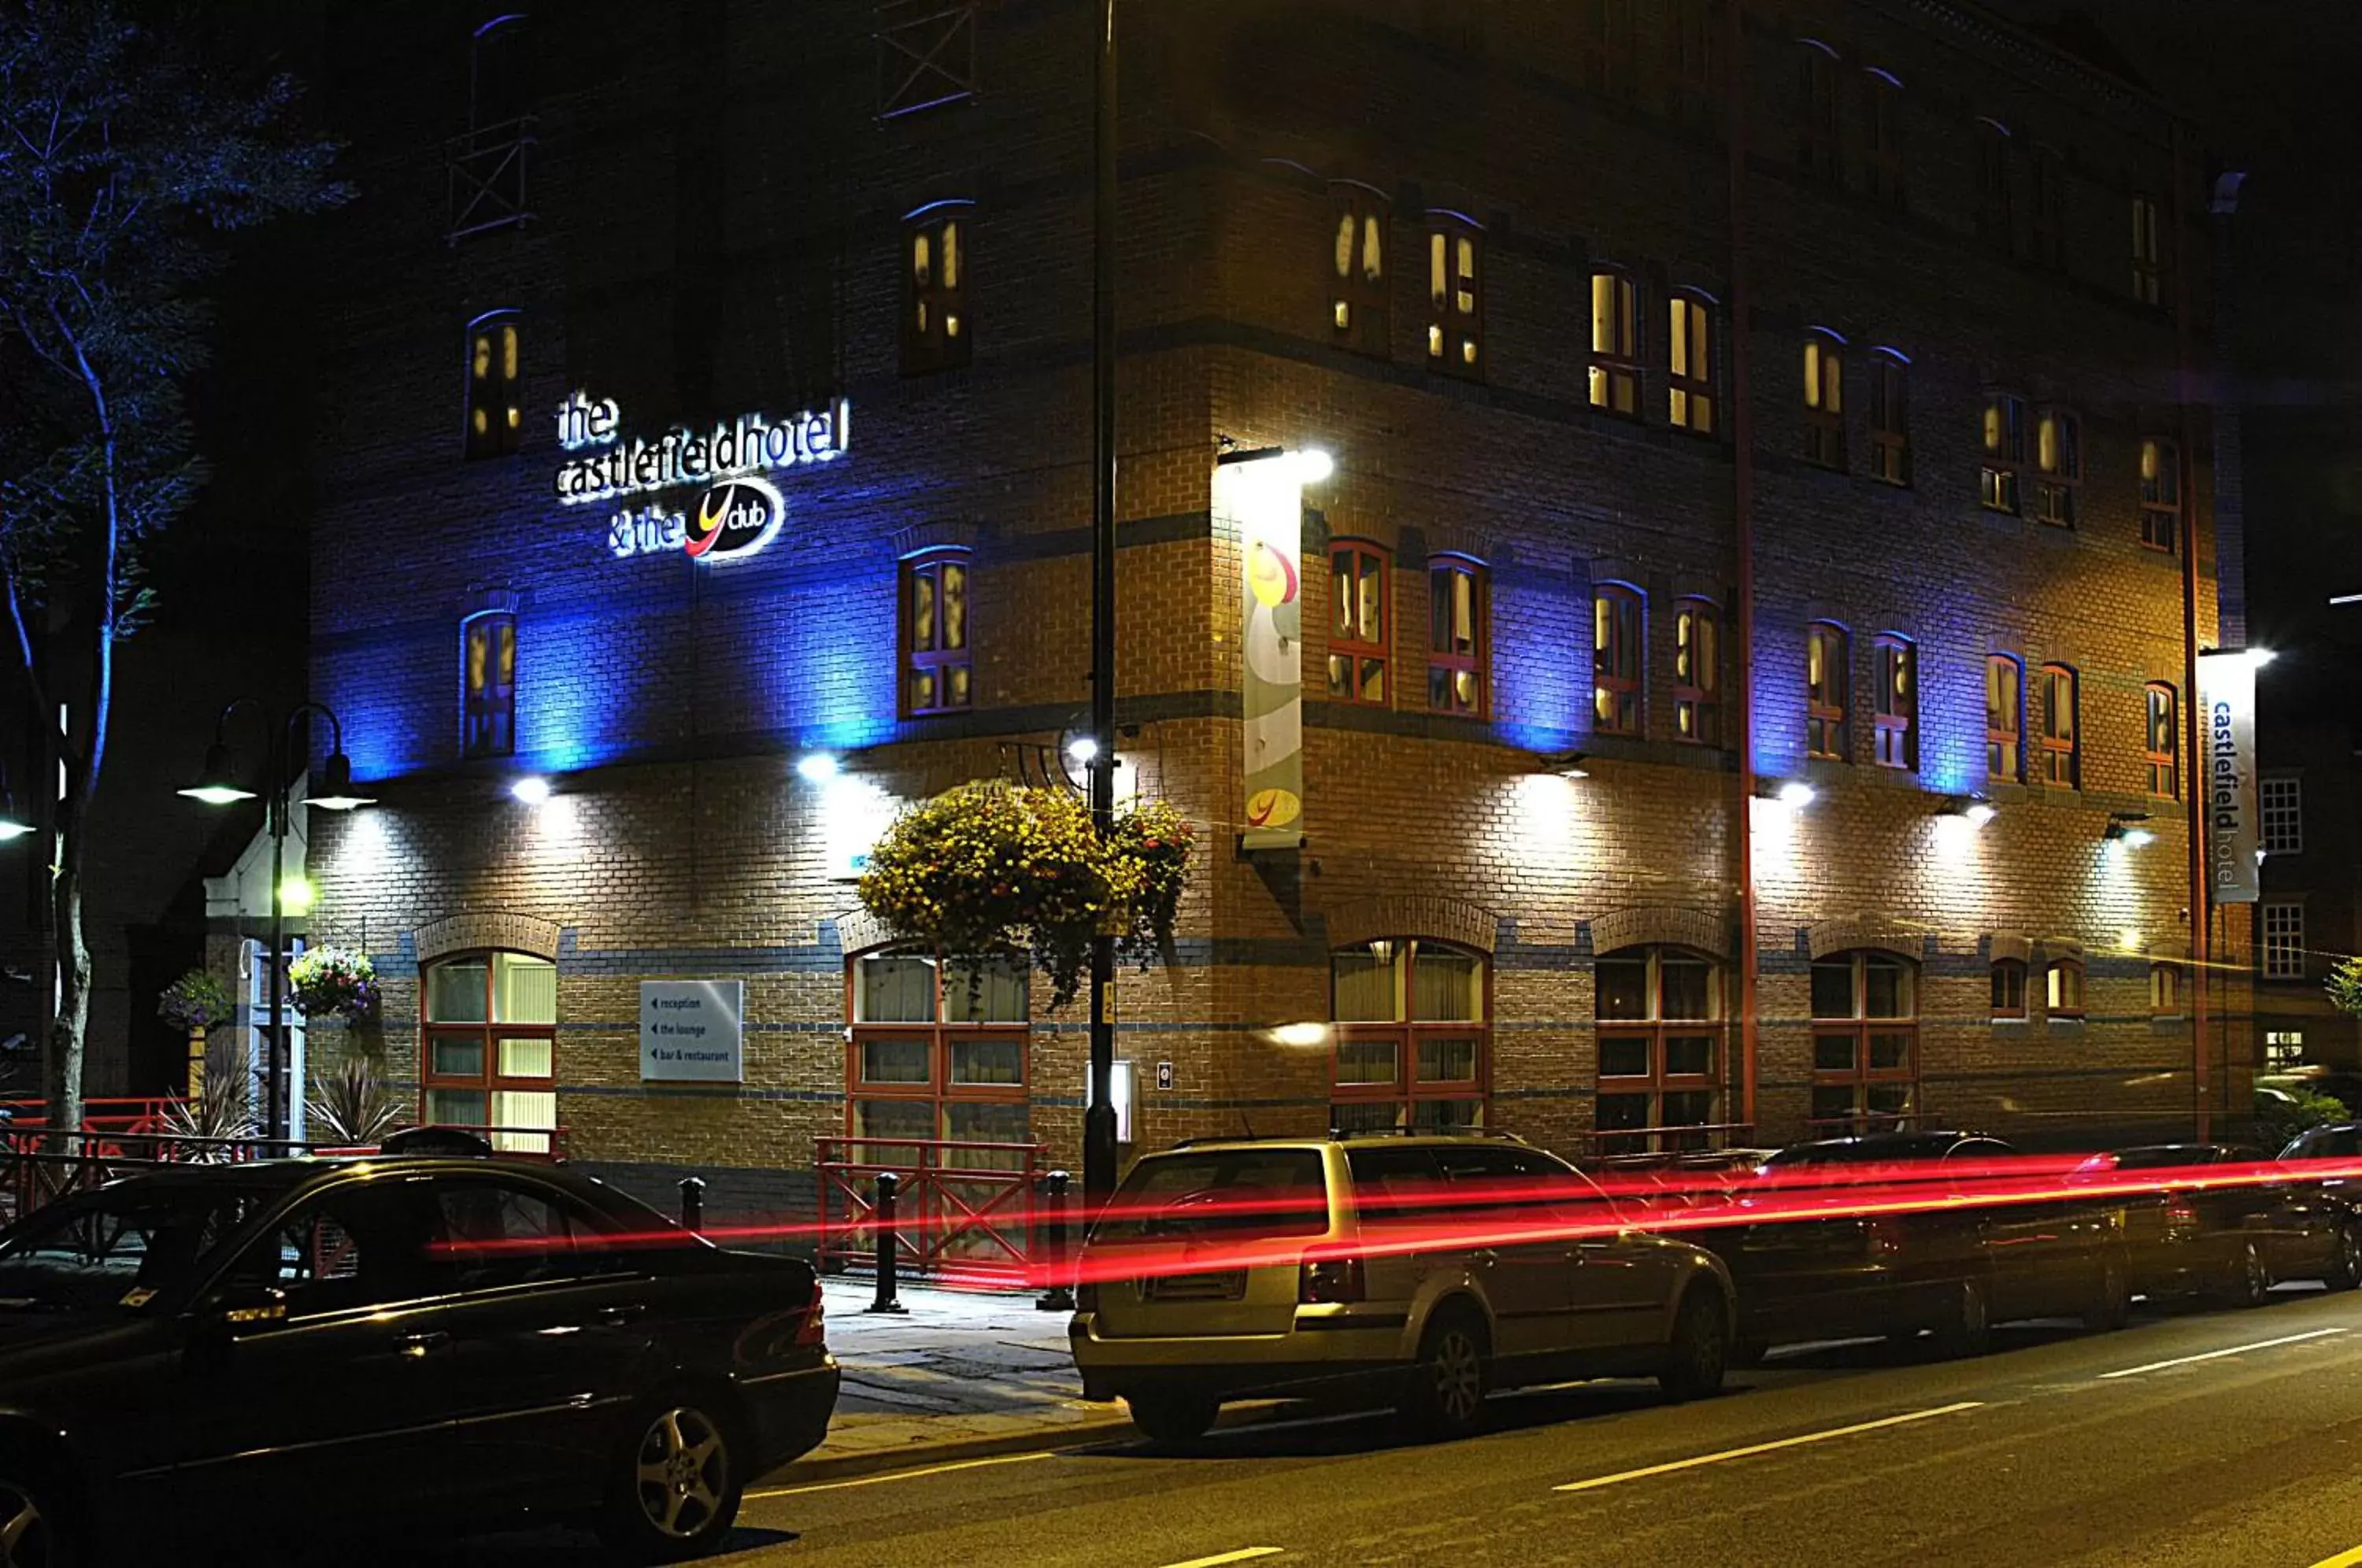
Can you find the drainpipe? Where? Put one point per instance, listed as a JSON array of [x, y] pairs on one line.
[[2201, 926], [1742, 436]]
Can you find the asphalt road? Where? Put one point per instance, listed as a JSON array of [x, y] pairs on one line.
[[2193, 1438]]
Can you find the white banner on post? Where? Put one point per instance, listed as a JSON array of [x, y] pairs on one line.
[[2226, 684]]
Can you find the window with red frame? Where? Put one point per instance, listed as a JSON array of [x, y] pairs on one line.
[[2009, 988], [938, 1050], [936, 332], [1358, 623], [2058, 467], [2160, 495], [1661, 1048], [1359, 317], [490, 1061], [1614, 344], [2163, 753], [1615, 633], [2062, 988], [1455, 324], [1890, 417], [1824, 442], [1690, 351], [1826, 689], [1697, 672], [1894, 717], [1455, 647], [1865, 1041], [488, 670], [1413, 1047], [2061, 750], [2004, 719], [938, 665]]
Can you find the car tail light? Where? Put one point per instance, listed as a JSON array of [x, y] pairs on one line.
[[814, 1330], [2181, 1219], [1329, 1280]]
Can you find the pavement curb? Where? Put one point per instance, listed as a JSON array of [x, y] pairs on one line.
[[952, 1451]]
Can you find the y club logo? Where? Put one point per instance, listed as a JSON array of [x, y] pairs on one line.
[[735, 519]]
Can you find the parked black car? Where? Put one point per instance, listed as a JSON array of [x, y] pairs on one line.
[[2316, 1219], [2186, 1237], [387, 1343], [1955, 1270]]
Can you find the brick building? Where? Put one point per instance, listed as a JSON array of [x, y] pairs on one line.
[[1656, 501]]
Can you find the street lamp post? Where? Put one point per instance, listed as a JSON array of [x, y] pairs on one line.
[[217, 786], [1099, 1116]]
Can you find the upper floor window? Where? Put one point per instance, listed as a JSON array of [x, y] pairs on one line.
[[2049, 180], [1659, 1012], [1690, 60], [1882, 136], [1412, 1043], [2062, 762], [1605, 33], [2160, 495], [926, 54], [2163, 754], [2165, 991], [1690, 344], [1614, 345], [2147, 268], [1697, 672], [1455, 621], [486, 168], [1824, 442], [2282, 800], [2059, 464], [2008, 988], [939, 666], [2004, 452], [2004, 719], [1897, 717], [1826, 691], [1890, 416], [1865, 1040], [2283, 940], [1816, 121], [938, 1048], [1357, 290], [1358, 623], [1615, 631], [495, 394], [488, 665], [1994, 225], [1456, 325], [936, 331], [2063, 986], [489, 1054], [500, 75]]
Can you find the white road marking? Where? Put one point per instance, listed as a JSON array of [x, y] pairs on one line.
[[1753, 1449], [2217, 1354], [1243, 1554], [898, 1475]]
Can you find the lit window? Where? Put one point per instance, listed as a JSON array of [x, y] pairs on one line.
[[2061, 755], [1817, 120], [1412, 1049], [2284, 942], [1455, 619], [938, 664], [1824, 442], [1358, 623], [1895, 718], [1357, 286], [1882, 125], [1995, 224], [1826, 686], [2049, 180], [1661, 1048], [1697, 672], [2008, 988], [938, 1050], [2004, 719], [1890, 417], [495, 397], [2160, 495], [2059, 465], [491, 1049], [1615, 631], [2164, 746], [2147, 267], [2004, 452], [1691, 352], [937, 334], [2283, 1047], [2165, 991], [488, 663], [1455, 323], [1865, 1041], [1615, 364], [2062, 988], [2283, 815]]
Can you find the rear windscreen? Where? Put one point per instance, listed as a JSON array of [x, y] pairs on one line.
[[1230, 1192]]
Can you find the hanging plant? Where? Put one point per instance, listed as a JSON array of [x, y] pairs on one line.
[[197, 1001], [994, 868], [330, 981]]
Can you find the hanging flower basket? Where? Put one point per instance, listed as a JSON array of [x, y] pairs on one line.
[[991, 868], [196, 1002], [334, 982]]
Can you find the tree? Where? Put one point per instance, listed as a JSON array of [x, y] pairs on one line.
[[124, 160]]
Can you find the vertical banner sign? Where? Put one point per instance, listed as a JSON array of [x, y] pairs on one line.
[[2226, 684], [1262, 500]]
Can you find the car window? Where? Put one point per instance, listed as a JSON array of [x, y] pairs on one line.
[[358, 1247], [1242, 1193], [122, 1246], [498, 1233], [1392, 1186], [1980, 1149]]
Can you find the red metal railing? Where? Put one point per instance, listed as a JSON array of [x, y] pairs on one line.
[[964, 1213]]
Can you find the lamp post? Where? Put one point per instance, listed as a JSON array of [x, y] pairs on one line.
[[217, 786], [1099, 1116]]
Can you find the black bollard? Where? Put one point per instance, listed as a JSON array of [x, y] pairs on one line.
[[692, 1204], [1060, 1296], [883, 1214]]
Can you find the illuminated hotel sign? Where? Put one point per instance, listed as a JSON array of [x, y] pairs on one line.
[[2226, 685], [1262, 500], [739, 510]]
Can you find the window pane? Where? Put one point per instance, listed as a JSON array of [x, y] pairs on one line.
[[458, 1056], [988, 1062], [455, 992], [1367, 1115], [1888, 1099], [1833, 989], [1622, 1112], [893, 1118], [894, 988], [1365, 983], [1886, 988], [1623, 987], [1833, 1052], [1690, 1108], [1623, 1056], [1450, 1061], [1446, 1115], [984, 991], [1688, 988], [1890, 1052], [456, 1107], [922, 611], [529, 1057], [955, 591], [1446, 986], [895, 1062], [984, 1123], [523, 1113], [525, 989], [1366, 1061], [1689, 1055]]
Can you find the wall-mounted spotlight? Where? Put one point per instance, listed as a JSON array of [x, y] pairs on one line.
[[1974, 809], [533, 789], [818, 766], [2124, 828], [1794, 792], [1567, 765]]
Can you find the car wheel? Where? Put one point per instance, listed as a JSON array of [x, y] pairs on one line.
[[2111, 1303], [2346, 1268], [680, 1483], [1173, 1418], [1966, 1328], [1445, 1397], [2250, 1280], [1700, 1349], [31, 1534], [1746, 1354]]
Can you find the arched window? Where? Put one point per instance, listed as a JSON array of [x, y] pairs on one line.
[[1816, 118], [1661, 1013], [2163, 753], [1882, 136], [487, 166], [2062, 988], [1357, 287], [938, 1049], [1359, 623], [1615, 631], [1690, 350], [2008, 988], [1896, 717], [1827, 685], [1865, 1041], [1824, 442], [1697, 672], [1890, 416], [1455, 623], [488, 668], [938, 664], [2165, 991], [2062, 761], [1412, 1045], [1995, 224], [1615, 342], [490, 1059], [1455, 324], [495, 394], [937, 331], [500, 75], [2005, 719], [2004, 452], [2058, 467], [2160, 495]]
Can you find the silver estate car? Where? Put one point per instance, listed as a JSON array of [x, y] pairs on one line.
[[1434, 1269]]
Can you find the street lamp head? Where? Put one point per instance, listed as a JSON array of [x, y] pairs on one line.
[[1084, 749], [214, 785], [336, 787]]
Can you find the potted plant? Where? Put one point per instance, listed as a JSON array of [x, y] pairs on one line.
[[334, 982], [352, 1108], [194, 1003]]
